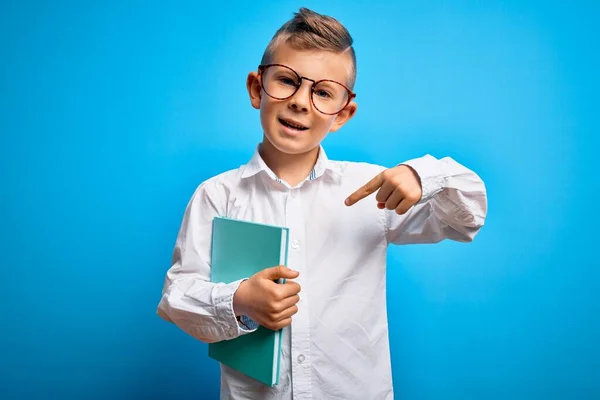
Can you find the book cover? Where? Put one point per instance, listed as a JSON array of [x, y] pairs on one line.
[[239, 250]]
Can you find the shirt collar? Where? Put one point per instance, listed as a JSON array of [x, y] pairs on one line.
[[257, 164]]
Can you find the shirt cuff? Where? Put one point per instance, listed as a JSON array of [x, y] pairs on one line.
[[431, 174], [223, 299]]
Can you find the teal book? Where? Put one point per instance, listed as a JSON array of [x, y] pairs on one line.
[[239, 250]]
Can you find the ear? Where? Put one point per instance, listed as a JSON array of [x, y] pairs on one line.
[[254, 89], [344, 116]]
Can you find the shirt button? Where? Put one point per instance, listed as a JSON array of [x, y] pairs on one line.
[[295, 244], [232, 331], [301, 358]]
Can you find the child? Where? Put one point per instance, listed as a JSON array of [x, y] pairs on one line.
[[332, 308]]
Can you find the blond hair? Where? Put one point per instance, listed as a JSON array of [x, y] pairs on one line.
[[309, 30]]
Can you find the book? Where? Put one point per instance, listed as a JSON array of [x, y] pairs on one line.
[[239, 250]]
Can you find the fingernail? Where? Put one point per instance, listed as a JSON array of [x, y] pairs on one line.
[[347, 202]]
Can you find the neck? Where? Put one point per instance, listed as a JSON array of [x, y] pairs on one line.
[[292, 168]]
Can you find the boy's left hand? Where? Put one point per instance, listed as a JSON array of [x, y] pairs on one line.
[[399, 189]]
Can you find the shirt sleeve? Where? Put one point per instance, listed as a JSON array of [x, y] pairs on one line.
[[453, 204], [199, 307]]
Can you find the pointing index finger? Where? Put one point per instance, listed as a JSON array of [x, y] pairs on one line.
[[369, 188]]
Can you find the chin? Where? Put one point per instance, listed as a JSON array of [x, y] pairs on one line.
[[290, 146]]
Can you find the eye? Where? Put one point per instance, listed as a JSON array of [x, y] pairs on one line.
[[287, 81], [322, 93]]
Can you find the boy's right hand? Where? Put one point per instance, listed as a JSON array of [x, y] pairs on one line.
[[266, 302]]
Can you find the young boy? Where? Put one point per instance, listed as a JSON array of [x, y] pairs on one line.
[[332, 308]]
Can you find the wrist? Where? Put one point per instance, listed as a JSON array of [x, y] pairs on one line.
[[430, 173]]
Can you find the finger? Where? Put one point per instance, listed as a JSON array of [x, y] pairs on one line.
[[369, 188], [278, 325], [404, 206], [288, 302], [384, 193], [394, 200], [278, 272], [287, 313], [289, 289]]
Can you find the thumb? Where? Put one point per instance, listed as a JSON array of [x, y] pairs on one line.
[[280, 271]]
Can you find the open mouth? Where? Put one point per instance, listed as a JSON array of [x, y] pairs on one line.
[[292, 124]]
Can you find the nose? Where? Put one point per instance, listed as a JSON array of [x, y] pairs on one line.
[[300, 101]]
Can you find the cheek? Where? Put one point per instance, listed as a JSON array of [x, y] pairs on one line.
[[267, 107], [268, 111], [326, 121], [264, 110]]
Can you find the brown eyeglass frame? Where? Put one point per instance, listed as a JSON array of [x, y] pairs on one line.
[[351, 94]]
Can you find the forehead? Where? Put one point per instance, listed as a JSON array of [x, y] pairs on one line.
[[314, 64]]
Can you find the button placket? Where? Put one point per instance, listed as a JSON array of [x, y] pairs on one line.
[[300, 328]]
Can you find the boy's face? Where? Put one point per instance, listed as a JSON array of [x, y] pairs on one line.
[[275, 115]]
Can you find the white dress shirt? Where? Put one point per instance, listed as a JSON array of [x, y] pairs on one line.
[[337, 345]]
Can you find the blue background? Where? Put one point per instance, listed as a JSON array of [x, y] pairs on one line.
[[111, 113]]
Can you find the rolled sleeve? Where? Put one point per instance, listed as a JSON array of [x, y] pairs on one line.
[[223, 297], [453, 204]]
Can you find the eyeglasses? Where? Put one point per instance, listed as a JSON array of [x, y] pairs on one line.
[[281, 82]]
